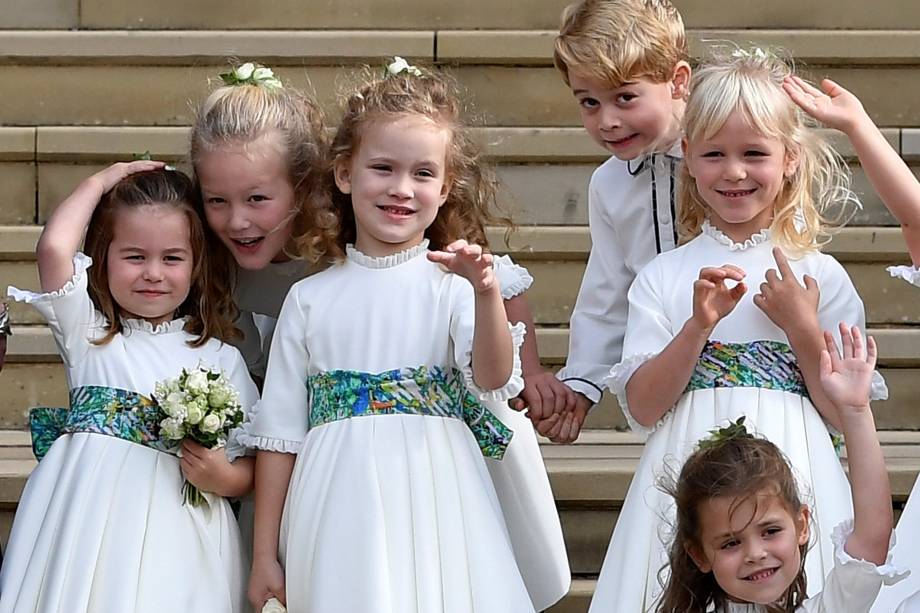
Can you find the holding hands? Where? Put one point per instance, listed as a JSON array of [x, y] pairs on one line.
[[470, 262]]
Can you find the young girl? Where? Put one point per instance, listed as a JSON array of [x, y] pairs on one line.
[[899, 190], [101, 524], [255, 148], [389, 505], [754, 182], [742, 529]]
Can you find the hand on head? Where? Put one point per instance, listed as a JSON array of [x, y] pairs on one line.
[[835, 107], [107, 178]]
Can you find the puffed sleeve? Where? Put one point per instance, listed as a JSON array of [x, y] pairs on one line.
[[279, 421], [648, 332], [513, 278], [462, 323], [70, 313], [911, 274], [840, 303], [598, 321], [236, 371], [852, 585]]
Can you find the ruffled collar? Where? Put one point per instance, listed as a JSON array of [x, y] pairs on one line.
[[720, 237], [142, 325], [385, 261]]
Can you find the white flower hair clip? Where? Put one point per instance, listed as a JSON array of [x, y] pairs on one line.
[[252, 74], [757, 52], [399, 66]]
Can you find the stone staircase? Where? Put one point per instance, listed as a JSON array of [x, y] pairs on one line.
[[88, 82]]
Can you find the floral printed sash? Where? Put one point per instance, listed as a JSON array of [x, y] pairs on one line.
[[343, 394], [114, 412], [765, 364]]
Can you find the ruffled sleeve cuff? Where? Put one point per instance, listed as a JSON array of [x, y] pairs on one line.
[[616, 381], [515, 383], [81, 263], [911, 274], [265, 443], [513, 278], [889, 573], [879, 389]]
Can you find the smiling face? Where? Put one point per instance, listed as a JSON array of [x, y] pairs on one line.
[[752, 546], [150, 272], [397, 182], [636, 118], [249, 201], [739, 174]]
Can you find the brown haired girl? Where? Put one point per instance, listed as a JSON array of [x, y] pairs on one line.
[[101, 524], [377, 462], [743, 531]]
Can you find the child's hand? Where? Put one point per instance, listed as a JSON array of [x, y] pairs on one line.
[[847, 378], [265, 582], [835, 107], [712, 300], [468, 261], [107, 179], [207, 469], [543, 395], [565, 427], [793, 308]]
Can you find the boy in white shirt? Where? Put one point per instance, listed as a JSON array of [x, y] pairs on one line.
[[626, 63]]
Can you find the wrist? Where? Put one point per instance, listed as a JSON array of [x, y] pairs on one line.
[[697, 329]]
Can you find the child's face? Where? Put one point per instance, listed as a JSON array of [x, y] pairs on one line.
[[150, 261], [739, 173], [752, 549], [397, 183], [636, 118], [248, 201]]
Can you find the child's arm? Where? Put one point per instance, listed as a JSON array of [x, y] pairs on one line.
[[493, 353], [846, 380], [659, 383], [794, 309], [273, 474], [64, 231], [210, 471], [897, 186]]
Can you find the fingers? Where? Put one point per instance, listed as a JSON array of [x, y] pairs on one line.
[[441, 257], [825, 367], [807, 87], [550, 426], [831, 88], [782, 263], [846, 340], [455, 246], [737, 292], [871, 352], [859, 349], [811, 284]]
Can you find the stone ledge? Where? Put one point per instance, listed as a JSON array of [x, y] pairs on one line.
[[17, 144], [309, 47], [820, 47]]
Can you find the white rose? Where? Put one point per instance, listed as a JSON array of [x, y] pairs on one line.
[[172, 428], [193, 413], [211, 423], [174, 405], [219, 396], [397, 66], [245, 71], [197, 382], [273, 606], [263, 73]]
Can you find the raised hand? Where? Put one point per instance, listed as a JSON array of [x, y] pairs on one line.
[[789, 305], [712, 298], [835, 107], [468, 261], [847, 376], [107, 178]]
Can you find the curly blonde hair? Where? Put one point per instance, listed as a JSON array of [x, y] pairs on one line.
[[471, 202], [816, 199]]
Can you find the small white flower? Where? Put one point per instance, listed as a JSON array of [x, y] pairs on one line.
[[245, 71], [262, 73], [174, 405], [172, 428], [194, 414], [197, 382], [211, 423], [219, 396], [760, 54], [272, 605], [397, 66]]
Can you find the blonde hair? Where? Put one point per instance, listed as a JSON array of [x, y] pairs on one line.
[[239, 115], [816, 198], [615, 41], [471, 201]]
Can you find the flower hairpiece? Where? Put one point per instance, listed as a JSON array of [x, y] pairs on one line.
[[757, 53], [251, 74], [399, 66], [720, 436]]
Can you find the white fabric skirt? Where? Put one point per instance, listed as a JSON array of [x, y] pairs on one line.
[[631, 575], [101, 528], [905, 554], [396, 514]]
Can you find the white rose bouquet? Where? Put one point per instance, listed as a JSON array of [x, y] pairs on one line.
[[201, 405]]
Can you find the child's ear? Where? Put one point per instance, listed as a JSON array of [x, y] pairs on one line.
[[445, 190], [791, 163], [699, 558], [680, 81], [803, 523], [684, 146], [341, 170]]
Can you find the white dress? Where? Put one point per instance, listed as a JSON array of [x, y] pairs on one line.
[[746, 369], [101, 527], [908, 528], [390, 510], [520, 478], [850, 586]]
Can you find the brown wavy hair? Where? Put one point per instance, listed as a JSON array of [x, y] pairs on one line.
[[209, 309], [740, 467], [472, 201]]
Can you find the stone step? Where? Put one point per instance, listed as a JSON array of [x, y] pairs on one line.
[[439, 14]]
